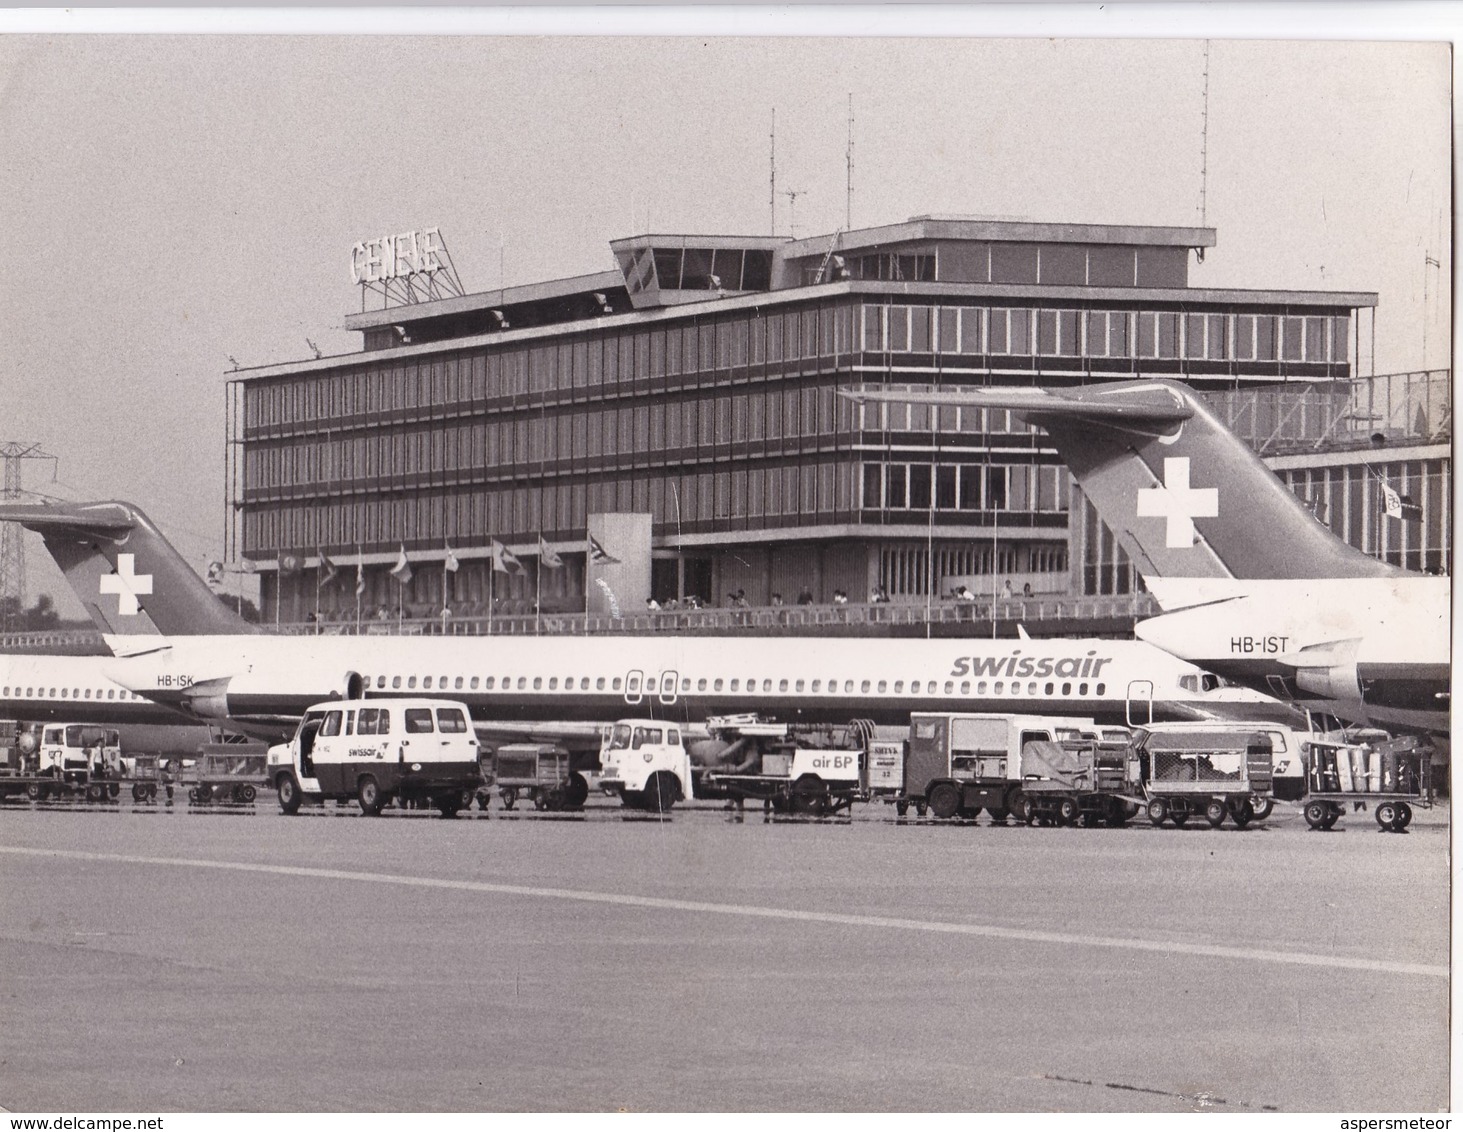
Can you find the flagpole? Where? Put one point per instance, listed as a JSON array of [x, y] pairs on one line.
[[360, 582], [447, 551], [492, 569], [538, 588], [319, 566]]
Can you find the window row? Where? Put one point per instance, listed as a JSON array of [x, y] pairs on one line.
[[821, 492], [1040, 332], [964, 487], [752, 684], [70, 693]]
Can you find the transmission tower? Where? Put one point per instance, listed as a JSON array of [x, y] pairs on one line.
[[12, 549]]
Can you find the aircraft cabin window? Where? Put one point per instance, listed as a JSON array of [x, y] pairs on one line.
[[650, 684], [380, 681], [798, 687], [1102, 689], [599, 684], [87, 695], [63, 693], [1000, 687], [458, 682], [522, 683], [553, 683], [965, 687], [331, 724], [615, 684], [473, 683], [716, 685], [817, 685], [538, 682], [848, 687], [949, 687], [411, 681], [442, 683], [767, 684], [864, 686], [782, 685], [736, 685], [584, 683], [1066, 689], [1082, 689], [488, 683], [427, 682], [418, 721], [396, 681], [701, 685], [898, 687], [883, 686], [686, 684], [1050, 688]]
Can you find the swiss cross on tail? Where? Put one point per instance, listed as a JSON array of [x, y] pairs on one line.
[[127, 584], [1177, 502]]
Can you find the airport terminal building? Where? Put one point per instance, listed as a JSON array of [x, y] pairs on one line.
[[697, 383]]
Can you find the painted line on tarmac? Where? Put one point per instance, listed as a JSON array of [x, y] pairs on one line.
[[987, 931]]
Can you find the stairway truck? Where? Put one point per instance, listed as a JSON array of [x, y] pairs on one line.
[[377, 751], [789, 768], [1089, 781], [645, 764], [1209, 770], [958, 764]]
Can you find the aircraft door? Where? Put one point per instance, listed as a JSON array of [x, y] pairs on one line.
[[634, 684], [1140, 697], [668, 682]]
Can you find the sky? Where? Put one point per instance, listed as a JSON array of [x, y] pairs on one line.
[[172, 202]]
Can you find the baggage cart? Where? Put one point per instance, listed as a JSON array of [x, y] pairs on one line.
[[540, 772], [1218, 772], [229, 773], [1391, 777]]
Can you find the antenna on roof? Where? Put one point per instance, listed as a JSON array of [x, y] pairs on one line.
[[772, 173], [792, 209], [1204, 153], [848, 201]]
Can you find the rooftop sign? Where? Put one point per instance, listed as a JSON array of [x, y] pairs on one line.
[[400, 256]]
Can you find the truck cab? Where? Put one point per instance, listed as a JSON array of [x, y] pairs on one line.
[[79, 753], [377, 751], [644, 762]]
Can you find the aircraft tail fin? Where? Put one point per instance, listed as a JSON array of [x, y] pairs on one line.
[[1186, 497], [127, 575]]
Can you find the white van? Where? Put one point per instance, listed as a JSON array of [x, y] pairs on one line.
[[378, 750]]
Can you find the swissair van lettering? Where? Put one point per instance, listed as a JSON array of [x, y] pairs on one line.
[[1069, 667]]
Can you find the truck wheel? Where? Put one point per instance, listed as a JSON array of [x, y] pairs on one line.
[[1027, 811], [1404, 815], [576, 791], [998, 815], [661, 792], [205, 792], [1158, 811], [945, 800], [139, 792], [95, 793], [901, 808], [1242, 812], [247, 793], [809, 795], [1214, 812], [509, 794], [114, 789], [368, 794], [1387, 815], [33, 791], [448, 805], [1316, 814], [289, 793], [1117, 813], [1068, 811], [1262, 808]]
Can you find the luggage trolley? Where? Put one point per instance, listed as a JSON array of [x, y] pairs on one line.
[[1392, 777]]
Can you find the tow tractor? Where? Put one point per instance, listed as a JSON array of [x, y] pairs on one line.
[[1391, 776]]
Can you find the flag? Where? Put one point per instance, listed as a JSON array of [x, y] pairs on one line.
[[599, 554], [402, 570], [327, 571], [215, 575], [504, 560], [290, 563], [360, 578], [450, 563], [548, 557]]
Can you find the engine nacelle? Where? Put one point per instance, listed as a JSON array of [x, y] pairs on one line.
[[1333, 682], [209, 699]]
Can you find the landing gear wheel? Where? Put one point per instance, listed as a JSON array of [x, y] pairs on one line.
[[1068, 811], [1404, 815], [289, 793], [1262, 808], [1158, 811], [1387, 815], [1214, 813], [945, 800], [576, 791], [1316, 814], [661, 792], [368, 794]]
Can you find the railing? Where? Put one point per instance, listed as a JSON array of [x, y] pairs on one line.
[[774, 619], [64, 642]]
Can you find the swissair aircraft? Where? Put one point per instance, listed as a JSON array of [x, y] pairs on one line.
[[176, 644], [1252, 586]]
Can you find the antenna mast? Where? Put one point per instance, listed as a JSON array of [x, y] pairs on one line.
[[848, 198], [12, 551], [772, 172], [1204, 151]]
